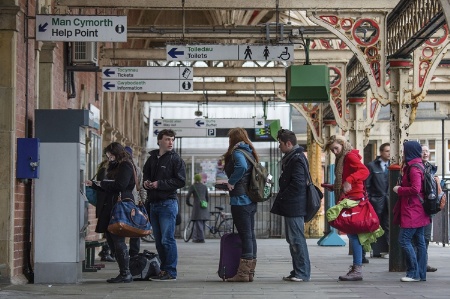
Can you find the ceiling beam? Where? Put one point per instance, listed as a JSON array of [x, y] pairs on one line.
[[315, 56], [226, 36], [259, 32], [240, 86], [198, 97], [239, 71], [379, 5]]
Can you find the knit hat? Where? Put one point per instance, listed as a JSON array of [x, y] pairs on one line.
[[129, 150], [197, 177]]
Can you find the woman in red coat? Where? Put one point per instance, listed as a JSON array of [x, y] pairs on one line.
[[350, 174], [410, 215]]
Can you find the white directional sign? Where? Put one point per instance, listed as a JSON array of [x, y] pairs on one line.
[[230, 52], [188, 132], [70, 28], [154, 72], [147, 79], [208, 123], [148, 85]]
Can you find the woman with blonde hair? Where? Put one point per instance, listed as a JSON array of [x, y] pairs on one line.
[[243, 210], [350, 174]]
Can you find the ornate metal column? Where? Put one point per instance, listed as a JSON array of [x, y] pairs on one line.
[[402, 107], [356, 120], [401, 110]]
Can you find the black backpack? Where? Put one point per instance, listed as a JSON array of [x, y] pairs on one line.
[[432, 200], [259, 187], [144, 265]]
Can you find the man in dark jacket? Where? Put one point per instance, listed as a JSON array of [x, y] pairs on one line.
[[164, 173], [377, 186], [291, 203]]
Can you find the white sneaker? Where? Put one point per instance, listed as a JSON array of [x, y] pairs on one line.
[[386, 256], [293, 278], [409, 279]]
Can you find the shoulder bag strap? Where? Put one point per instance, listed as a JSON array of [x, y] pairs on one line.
[[305, 163], [247, 156], [138, 187], [195, 189]]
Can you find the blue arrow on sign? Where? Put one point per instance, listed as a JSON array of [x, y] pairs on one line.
[[199, 123], [108, 72], [157, 123], [156, 132], [43, 28], [108, 85], [173, 53]]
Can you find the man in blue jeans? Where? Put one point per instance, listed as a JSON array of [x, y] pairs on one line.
[[291, 203], [164, 173]]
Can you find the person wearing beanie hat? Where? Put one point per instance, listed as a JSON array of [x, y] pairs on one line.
[[199, 214], [410, 214]]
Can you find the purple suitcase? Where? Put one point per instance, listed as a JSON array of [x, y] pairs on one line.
[[230, 255]]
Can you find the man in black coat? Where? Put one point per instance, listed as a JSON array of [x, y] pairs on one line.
[[164, 173], [377, 185], [291, 203]]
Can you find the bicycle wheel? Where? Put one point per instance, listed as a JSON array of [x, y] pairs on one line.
[[225, 227], [149, 239], [187, 235]]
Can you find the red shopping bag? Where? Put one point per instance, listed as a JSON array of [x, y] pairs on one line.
[[359, 219]]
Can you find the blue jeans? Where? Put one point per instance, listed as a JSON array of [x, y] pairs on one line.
[[416, 264], [356, 248], [163, 215], [295, 236], [244, 220]]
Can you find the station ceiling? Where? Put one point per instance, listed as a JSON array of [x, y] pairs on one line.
[[154, 24]]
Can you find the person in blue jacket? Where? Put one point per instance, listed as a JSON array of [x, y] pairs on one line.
[[243, 210]]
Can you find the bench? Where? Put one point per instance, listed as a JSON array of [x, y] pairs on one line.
[[88, 263]]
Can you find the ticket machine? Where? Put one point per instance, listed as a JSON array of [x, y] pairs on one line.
[[60, 210]]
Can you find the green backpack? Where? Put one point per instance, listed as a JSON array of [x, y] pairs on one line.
[[259, 187]]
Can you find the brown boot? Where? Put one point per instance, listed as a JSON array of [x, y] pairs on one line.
[[243, 271], [354, 274], [252, 270]]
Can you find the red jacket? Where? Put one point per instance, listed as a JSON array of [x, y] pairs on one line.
[[408, 211], [354, 172]]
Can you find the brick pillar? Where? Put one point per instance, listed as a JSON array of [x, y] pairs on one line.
[[8, 100]]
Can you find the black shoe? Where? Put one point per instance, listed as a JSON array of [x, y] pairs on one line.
[[107, 258], [121, 278], [157, 276], [198, 241], [431, 269], [163, 276], [365, 260]]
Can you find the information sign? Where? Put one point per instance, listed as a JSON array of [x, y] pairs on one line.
[[70, 28], [230, 52]]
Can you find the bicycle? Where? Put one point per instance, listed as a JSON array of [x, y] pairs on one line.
[[223, 223]]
